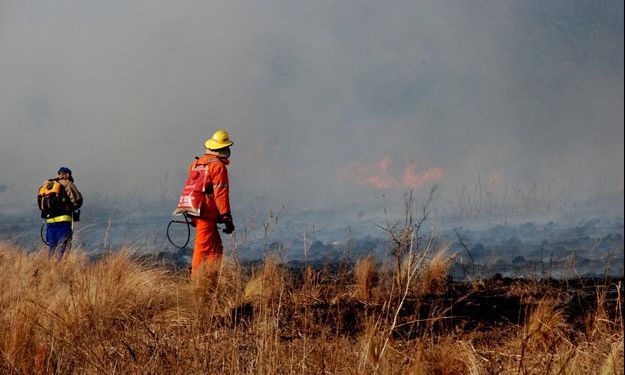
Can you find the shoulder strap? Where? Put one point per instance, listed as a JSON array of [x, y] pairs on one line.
[[48, 180], [207, 162]]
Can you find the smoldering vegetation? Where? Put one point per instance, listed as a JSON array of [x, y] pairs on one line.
[[525, 235]]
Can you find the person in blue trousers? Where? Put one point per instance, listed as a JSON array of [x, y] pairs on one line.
[[59, 227]]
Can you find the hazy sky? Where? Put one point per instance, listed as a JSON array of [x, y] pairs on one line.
[[322, 98]]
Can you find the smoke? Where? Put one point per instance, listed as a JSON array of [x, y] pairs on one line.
[[125, 93]]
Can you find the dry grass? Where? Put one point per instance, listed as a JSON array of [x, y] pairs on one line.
[[265, 286], [446, 356], [435, 271], [365, 273], [545, 326], [118, 315]]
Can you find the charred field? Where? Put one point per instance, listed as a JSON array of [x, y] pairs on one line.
[[519, 298]]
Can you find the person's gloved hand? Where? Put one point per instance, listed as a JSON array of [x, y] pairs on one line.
[[226, 219]]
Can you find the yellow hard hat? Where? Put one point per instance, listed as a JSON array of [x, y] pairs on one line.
[[219, 140]]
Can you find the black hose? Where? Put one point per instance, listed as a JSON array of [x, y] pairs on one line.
[[188, 223], [43, 238]]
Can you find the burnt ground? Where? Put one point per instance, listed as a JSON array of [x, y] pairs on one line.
[[483, 306], [329, 305]]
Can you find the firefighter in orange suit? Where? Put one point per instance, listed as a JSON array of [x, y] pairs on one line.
[[215, 208]]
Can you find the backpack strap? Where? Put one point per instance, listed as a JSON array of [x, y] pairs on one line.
[[211, 160]]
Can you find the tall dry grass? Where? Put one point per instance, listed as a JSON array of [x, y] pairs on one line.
[[120, 315], [365, 273], [75, 315]]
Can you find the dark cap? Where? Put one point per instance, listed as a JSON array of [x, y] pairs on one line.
[[64, 170]]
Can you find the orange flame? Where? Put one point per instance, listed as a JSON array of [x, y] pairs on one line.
[[378, 175], [495, 179], [416, 181]]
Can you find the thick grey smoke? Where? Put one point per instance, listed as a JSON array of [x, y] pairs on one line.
[[315, 94]]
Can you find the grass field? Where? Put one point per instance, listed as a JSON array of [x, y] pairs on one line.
[[122, 315]]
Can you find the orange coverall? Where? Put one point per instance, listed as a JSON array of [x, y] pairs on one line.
[[208, 247]]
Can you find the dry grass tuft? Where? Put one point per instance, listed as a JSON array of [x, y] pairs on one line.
[[365, 272], [614, 362], [371, 343], [216, 290], [265, 286], [310, 277], [433, 275], [444, 357], [545, 326]]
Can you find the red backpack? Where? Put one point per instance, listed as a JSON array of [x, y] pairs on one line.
[[195, 188]]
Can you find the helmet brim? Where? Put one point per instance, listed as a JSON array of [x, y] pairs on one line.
[[214, 145]]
